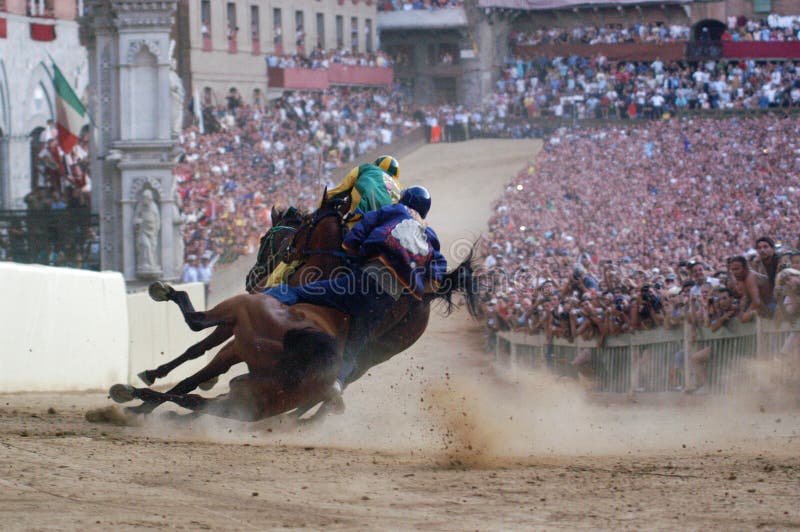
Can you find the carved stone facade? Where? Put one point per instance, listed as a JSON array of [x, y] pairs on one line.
[[129, 45]]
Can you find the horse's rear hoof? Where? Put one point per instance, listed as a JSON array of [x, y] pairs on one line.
[[146, 378], [159, 291], [210, 383], [122, 393]]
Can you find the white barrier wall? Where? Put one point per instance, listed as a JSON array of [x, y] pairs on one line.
[[61, 329], [158, 334]]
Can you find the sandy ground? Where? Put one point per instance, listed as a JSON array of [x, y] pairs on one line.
[[437, 438]]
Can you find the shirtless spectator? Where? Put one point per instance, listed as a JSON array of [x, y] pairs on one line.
[[751, 287], [766, 262]]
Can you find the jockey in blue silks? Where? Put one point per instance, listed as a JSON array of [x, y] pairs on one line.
[[396, 254]]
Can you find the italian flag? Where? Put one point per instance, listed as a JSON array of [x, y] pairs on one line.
[[70, 112]]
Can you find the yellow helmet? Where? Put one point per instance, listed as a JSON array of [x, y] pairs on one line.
[[389, 164]]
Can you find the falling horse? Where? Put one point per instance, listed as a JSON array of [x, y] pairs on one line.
[[292, 353], [283, 243]]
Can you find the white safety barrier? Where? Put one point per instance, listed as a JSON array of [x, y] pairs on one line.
[[61, 329], [158, 334]]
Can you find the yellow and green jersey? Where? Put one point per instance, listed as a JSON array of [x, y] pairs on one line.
[[369, 187]]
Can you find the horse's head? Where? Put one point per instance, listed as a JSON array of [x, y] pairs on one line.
[[318, 241], [273, 246]]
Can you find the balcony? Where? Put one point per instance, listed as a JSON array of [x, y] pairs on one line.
[[761, 50], [337, 74], [670, 51], [298, 78]]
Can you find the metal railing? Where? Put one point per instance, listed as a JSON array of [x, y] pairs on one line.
[[67, 237], [651, 360]]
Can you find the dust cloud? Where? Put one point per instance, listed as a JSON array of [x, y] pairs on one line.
[[495, 417]]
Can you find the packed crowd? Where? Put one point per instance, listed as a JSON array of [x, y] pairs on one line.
[[638, 32], [773, 28], [322, 59], [581, 87], [251, 158], [616, 230], [409, 5]]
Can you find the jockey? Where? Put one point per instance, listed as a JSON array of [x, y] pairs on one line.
[[397, 254], [370, 187]]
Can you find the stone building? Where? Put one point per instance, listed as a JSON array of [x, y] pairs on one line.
[[223, 44], [432, 51], [31, 33]]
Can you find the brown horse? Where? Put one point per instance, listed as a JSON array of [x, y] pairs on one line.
[[408, 321], [292, 353]]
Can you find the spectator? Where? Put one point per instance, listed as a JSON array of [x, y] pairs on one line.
[[190, 273]]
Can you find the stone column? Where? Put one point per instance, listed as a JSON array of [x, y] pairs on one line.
[[129, 46], [18, 153]]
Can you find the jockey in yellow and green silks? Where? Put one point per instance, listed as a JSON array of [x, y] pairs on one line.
[[370, 187]]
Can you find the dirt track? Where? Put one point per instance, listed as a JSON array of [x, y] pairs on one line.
[[435, 439]]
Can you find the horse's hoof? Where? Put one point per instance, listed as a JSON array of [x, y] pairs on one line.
[[210, 383], [122, 393], [146, 378], [160, 291]]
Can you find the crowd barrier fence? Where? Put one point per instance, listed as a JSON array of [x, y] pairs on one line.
[[656, 360]]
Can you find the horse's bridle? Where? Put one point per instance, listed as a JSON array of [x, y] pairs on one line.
[[275, 256], [310, 226]]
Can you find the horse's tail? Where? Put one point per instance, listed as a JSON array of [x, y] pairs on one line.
[[461, 280], [307, 353]]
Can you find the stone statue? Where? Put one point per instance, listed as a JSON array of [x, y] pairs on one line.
[[177, 94], [146, 228], [178, 221]]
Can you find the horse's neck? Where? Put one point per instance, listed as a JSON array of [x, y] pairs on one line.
[[319, 266]]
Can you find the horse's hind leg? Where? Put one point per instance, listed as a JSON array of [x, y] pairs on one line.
[[220, 334], [243, 405], [197, 321], [221, 363]]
